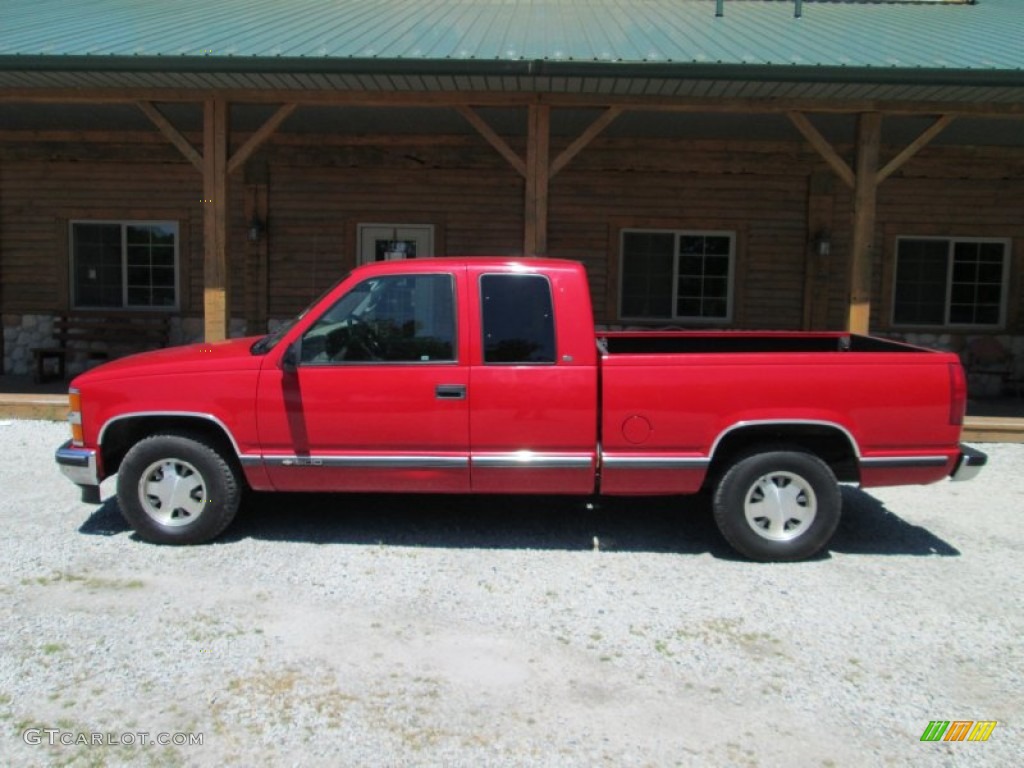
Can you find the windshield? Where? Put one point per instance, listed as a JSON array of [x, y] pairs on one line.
[[268, 342]]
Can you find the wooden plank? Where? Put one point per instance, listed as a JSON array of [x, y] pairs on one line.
[[215, 205], [493, 139], [820, 143], [993, 429], [869, 136], [82, 136], [265, 131], [34, 406], [171, 133], [592, 131], [914, 147]]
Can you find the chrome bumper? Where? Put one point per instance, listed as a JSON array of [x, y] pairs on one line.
[[969, 464], [79, 466]]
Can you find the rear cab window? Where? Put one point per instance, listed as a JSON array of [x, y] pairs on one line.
[[518, 320]]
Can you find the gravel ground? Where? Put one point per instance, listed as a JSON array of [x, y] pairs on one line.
[[370, 630]]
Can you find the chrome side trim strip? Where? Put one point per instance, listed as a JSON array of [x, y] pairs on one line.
[[367, 462], [532, 460], [516, 460], [895, 462], [654, 462]]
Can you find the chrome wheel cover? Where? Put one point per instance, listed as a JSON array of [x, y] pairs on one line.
[[172, 492], [780, 506]]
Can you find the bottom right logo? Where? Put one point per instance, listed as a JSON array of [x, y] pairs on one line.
[[959, 730]]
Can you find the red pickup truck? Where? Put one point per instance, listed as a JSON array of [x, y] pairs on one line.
[[484, 375]]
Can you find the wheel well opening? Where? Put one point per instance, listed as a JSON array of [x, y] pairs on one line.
[[829, 444], [121, 435]]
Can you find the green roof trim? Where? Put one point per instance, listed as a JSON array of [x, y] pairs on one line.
[[521, 68]]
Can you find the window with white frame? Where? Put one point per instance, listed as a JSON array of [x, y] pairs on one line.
[[124, 264], [677, 275], [944, 281]]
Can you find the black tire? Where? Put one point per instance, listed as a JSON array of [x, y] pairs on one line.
[[177, 489], [801, 498]]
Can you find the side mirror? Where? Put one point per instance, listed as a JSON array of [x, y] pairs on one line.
[[290, 358]]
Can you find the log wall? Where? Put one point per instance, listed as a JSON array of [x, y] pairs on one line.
[[317, 192]]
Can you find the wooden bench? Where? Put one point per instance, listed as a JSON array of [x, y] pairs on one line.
[[123, 332]]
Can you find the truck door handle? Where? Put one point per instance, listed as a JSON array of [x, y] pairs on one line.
[[450, 392]]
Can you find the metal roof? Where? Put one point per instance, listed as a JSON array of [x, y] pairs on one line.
[[945, 50]]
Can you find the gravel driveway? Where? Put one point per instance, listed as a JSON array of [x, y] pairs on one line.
[[369, 630]]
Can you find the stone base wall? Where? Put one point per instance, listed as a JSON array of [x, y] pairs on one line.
[[985, 381], [23, 333]]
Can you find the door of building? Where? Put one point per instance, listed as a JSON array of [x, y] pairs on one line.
[[389, 242]]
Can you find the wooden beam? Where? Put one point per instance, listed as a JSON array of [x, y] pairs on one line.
[[265, 131], [869, 139], [1012, 110], [287, 139], [595, 128], [914, 147], [171, 133], [820, 143], [493, 138], [538, 152], [216, 306]]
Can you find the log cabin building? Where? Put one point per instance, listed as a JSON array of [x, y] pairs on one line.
[[714, 163]]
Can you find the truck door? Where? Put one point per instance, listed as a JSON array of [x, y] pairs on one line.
[[533, 403], [375, 397]]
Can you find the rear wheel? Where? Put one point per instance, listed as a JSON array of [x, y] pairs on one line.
[[778, 505], [177, 489]]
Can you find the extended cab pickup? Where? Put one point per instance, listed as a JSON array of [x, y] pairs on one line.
[[484, 375]]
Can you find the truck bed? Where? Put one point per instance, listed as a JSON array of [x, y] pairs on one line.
[[665, 342]]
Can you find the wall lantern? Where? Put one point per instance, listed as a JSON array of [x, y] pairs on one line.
[[823, 244], [257, 227]]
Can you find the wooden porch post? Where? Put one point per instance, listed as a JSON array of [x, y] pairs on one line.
[[539, 168], [215, 215], [864, 181], [869, 135], [215, 165], [538, 141]]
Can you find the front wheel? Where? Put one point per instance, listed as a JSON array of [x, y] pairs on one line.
[[177, 489], [778, 505]]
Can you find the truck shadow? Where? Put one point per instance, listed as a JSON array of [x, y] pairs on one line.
[[868, 527], [657, 524]]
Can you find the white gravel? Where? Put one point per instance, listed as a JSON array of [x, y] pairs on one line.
[[372, 630]]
